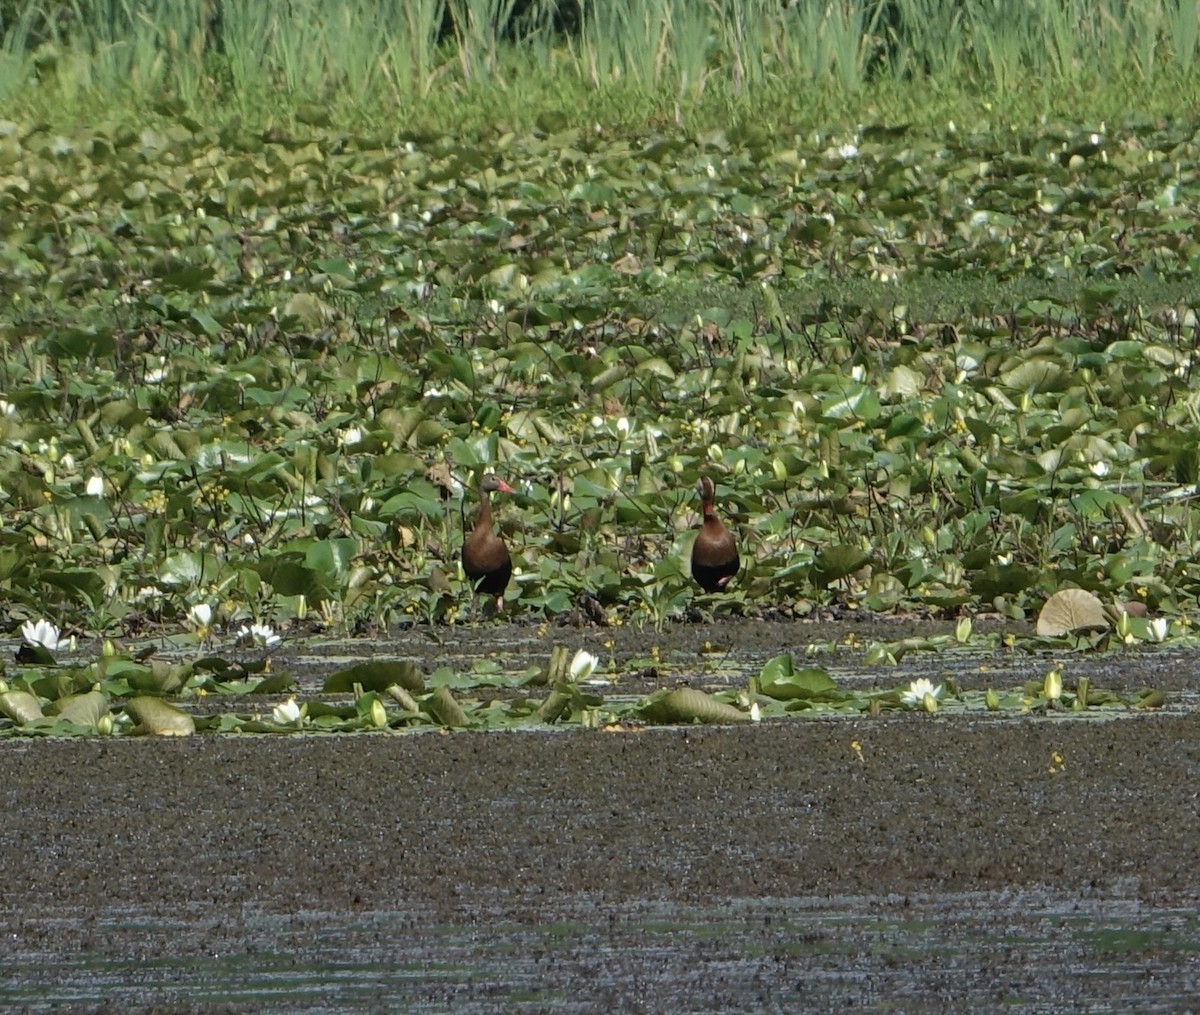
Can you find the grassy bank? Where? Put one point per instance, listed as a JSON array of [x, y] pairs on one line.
[[474, 64]]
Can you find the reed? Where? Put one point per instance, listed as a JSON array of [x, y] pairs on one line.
[[437, 58]]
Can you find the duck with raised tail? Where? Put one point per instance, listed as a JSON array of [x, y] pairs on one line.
[[714, 553], [485, 558]]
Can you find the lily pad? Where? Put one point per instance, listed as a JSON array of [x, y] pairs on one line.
[[159, 718], [20, 706], [688, 705], [82, 709], [442, 707], [376, 676], [1070, 610], [779, 679]]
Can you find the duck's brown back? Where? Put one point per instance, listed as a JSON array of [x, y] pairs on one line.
[[714, 555], [485, 558]]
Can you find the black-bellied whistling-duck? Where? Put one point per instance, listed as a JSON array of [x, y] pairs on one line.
[[714, 553], [485, 558]]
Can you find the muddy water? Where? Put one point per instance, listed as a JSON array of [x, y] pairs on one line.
[[909, 863]]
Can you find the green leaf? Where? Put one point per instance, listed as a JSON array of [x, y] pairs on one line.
[[779, 680], [82, 709], [20, 706], [156, 717], [376, 676], [687, 705], [442, 708], [832, 563], [332, 557]]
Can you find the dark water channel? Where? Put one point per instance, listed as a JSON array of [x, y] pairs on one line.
[[1011, 950], [908, 864]]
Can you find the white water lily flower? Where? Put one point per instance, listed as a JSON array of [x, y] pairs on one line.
[[7, 408], [200, 618], [918, 689], [1159, 627], [350, 436], [95, 486], [583, 665], [848, 150], [755, 713], [259, 634], [287, 714], [200, 615], [41, 632]]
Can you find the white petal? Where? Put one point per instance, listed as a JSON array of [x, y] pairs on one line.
[[41, 632], [286, 713], [583, 665]]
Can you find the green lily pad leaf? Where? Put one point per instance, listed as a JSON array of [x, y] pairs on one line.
[[53, 686], [290, 578], [446, 676], [325, 710], [308, 311], [1036, 375], [1150, 697], [156, 717], [188, 567], [442, 708], [904, 424], [1001, 580], [82, 709], [902, 382], [276, 683], [159, 677], [78, 343], [36, 655], [376, 676], [20, 706], [224, 669], [371, 711], [1071, 610], [86, 582], [230, 722], [206, 323], [57, 726], [443, 363], [657, 366], [780, 680], [857, 402], [688, 705], [189, 278], [838, 561], [1096, 503], [331, 557]]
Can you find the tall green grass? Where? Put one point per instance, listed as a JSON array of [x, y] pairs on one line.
[[439, 61]]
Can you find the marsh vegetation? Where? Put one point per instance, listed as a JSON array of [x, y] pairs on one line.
[[930, 325]]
